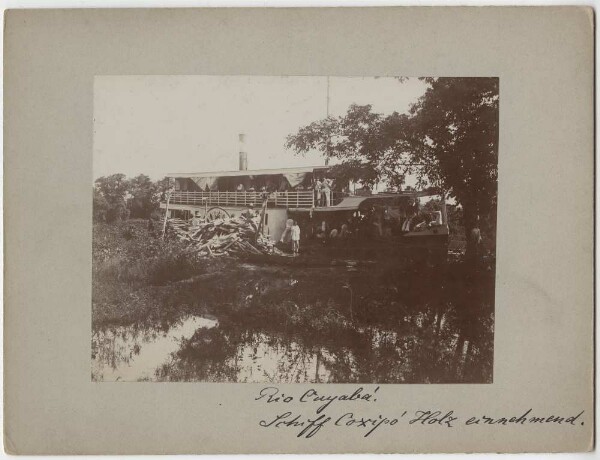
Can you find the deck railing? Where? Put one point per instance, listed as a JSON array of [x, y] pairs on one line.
[[291, 199]]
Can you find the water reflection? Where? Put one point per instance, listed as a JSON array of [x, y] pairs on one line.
[[289, 325], [215, 356], [132, 353]]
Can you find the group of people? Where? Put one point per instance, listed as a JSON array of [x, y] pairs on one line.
[[376, 223], [323, 232], [322, 188], [371, 223], [419, 222], [323, 191], [241, 188]]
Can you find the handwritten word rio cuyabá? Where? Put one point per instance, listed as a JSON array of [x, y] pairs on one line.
[[272, 395]]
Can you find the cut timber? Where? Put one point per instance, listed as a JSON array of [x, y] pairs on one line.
[[221, 237]]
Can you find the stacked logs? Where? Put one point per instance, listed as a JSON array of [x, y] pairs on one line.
[[230, 236]]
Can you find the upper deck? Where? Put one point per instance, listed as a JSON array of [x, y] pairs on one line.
[[287, 199], [283, 188], [288, 188]]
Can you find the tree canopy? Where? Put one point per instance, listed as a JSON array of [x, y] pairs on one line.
[[454, 139], [144, 196], [109, 197], [448, 139], [116, 197], [360, 140]]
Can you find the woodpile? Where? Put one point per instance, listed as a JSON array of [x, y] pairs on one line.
[[231, 236]]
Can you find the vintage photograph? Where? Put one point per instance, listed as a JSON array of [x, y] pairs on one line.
[[294, 229]]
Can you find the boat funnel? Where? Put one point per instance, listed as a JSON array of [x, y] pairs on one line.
[[243, 154]]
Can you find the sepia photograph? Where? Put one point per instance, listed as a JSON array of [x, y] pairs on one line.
[[294, 229], [321, 230]]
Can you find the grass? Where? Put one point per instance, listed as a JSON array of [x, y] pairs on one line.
[[130, 264]]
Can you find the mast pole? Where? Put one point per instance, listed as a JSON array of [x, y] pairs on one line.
[[166, 214], [329, 138], [328, 96]]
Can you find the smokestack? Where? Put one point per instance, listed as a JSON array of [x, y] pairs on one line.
[[243, 154]]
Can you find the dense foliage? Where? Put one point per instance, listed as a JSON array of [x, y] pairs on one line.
[[117, 198], [448, 139]]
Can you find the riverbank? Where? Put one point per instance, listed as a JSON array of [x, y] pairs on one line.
[[244, 322]]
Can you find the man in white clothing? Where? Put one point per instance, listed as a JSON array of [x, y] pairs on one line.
[[295, 237]]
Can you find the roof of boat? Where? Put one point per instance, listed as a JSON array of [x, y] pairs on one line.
[[250, 172], [352, 203]]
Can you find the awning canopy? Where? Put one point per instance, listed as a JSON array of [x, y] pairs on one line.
[[273, 179], [255, 172], [353, 203]]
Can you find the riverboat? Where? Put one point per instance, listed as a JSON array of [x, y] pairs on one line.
[[363, 227]]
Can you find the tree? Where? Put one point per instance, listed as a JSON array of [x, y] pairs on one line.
[[163, 186], [360, 140], [143, 196], [453, 136], [109, 197], [100, 207], [116, 197], [448, 140]]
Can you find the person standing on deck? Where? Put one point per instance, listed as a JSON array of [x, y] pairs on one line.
[[295, 238], [326, 191], [318, 190]]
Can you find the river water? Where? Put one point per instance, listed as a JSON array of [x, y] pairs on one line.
[[285, 325]]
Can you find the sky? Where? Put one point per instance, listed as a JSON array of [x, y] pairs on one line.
[[156, 125]]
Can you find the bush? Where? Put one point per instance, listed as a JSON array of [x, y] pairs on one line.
[[174, 266], [158, 214], [129, 233], [129, 252], [120, 269]]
